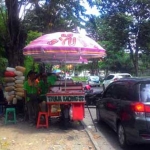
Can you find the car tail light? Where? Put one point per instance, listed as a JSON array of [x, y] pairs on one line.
[[140, 107], [147, 108]]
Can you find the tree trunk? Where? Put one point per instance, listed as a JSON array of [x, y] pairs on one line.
[[136, 63], [134, 58], [94, 67], [16, 35]]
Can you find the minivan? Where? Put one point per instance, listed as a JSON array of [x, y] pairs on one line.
[[125, 107]]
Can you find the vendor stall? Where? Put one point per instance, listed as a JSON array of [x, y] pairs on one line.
[[67, 100]]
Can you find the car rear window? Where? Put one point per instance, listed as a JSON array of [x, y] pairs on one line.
[[109, 77], [125, 76], [145, 92]]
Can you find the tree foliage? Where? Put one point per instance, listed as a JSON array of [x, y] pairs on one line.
[[101, 30], [3, 60], [42, 16], [52, 16], [12, 34], [122, 25], [29, 62], [129, 20], [32, 35]]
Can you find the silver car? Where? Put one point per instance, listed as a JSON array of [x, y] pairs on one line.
[[93, 81], [114, 77]]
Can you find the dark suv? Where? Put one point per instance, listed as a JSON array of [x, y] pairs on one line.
[[125, 106]]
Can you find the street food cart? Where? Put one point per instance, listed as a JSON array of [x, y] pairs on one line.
[[65, 47], [72, 95]]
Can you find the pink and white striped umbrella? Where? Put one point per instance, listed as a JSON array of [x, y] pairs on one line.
[[61, 46]]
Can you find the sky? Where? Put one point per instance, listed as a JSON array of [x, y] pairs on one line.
[[90, 10]]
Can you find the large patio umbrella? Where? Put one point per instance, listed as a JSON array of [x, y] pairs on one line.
[[64, 46]]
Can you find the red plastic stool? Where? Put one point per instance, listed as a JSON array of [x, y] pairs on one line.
[[41, 124]]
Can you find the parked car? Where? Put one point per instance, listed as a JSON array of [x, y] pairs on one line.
[[125, 107], [93, 81], [114, 77]]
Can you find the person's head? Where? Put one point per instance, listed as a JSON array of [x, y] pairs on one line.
[[31, 75]]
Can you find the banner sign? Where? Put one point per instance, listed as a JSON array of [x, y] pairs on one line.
[[65, 98]]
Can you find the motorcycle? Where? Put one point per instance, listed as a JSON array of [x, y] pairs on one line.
[[90, 96]]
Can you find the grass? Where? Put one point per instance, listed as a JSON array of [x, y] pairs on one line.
[[79, 79]]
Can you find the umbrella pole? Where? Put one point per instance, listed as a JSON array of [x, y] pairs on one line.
[[65, 72]]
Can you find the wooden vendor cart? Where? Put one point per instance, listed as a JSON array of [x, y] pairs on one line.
[[70, 100]]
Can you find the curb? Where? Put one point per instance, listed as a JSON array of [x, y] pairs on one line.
[[90, 136]]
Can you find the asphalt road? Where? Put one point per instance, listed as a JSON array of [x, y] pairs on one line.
[[105, 137]]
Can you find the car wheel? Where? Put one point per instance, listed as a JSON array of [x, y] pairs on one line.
[[121, 136], [98, 116]]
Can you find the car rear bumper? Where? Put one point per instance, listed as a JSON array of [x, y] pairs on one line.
[[139, 137], [140, 140], [94, 84]]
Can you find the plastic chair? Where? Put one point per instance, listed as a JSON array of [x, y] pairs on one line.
[[41, 124], [8, 111]]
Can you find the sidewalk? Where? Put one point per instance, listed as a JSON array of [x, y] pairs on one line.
[[23, 136], [99, 141]]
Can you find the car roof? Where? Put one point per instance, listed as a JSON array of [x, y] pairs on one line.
[[119, 74]]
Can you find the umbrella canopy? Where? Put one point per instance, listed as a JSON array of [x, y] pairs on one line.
[[64, 46]]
